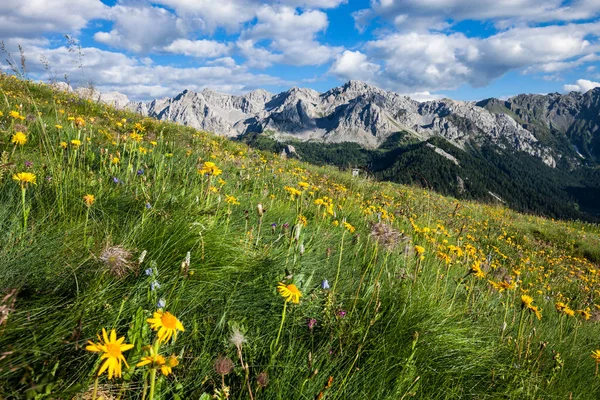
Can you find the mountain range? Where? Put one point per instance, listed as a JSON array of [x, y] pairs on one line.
[[523, 143]]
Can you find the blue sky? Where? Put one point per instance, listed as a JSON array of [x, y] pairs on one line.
[[462, 49]]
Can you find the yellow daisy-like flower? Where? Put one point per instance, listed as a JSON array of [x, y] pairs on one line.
[[420, 249], [476, 269], [58, 126], [210, 168], [80, 122], [289, 292], [24, 178], [19, 138], [349, 227], [156, 361], [76, 143], [171, 362], [526, 301], [596, 356], [115, 160], [89, 199], [63, 145], [166, 324], [14, 114], [231, 200], [112, 350]]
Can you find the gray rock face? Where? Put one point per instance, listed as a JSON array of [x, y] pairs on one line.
[[568, 122], [115, 99], [361, 113]]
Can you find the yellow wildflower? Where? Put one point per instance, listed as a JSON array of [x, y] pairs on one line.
[[349, 227], [289, 292], [76, 143], [14, 114], [112, 350], [209, 168], [231, 200], [166, 324], [419, 249], [89, 199], [24, 178], [63, 145], [58, 126], [476, 269], [115, 160], [19, 138]]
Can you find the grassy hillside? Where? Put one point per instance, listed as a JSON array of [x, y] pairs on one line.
[[404, 293]]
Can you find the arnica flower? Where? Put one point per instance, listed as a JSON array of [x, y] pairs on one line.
[[289, 292], [166, 324], [89, 199], [80, 122], [14, 114], [476, 269], [527, 303], [19, 138], [63, 145], [112, 350], [210, 168], [76, 143], [24, 178], [115, 160], [58, 126], [596, 356], [419, 249], [158, 361], [349, 227], [231, 200]]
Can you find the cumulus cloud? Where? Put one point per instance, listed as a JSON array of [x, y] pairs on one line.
[[140, 28], [140, 80], [355, 65], [33, 18], [199, 48], [441, 14], [582, 85], [291, 35], [232, 14], [415, 61]]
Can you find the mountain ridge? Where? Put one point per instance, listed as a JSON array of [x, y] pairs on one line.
[[555, 128]]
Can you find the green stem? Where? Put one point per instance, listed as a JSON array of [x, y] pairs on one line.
[[152, 382], [337, 275], [281, 325], [87, 216], [153, 371], [24, 210], [95, 392]]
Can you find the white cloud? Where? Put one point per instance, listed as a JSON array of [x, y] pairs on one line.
[[408, 62], [355, 65], [425, 96], [582, 85], [291, 36], [286, 22], [199, 48], [558, 66], [112, 71], [142, 29], [33, 18], [441, 14]]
